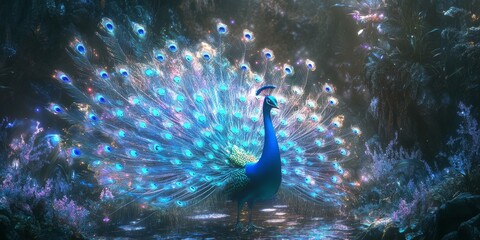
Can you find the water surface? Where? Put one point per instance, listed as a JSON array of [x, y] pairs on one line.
[[277, 219]]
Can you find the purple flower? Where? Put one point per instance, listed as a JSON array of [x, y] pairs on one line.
[[106, 195], [69, 211], [465, 146]]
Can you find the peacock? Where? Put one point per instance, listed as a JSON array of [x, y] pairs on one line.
[[171, 125]]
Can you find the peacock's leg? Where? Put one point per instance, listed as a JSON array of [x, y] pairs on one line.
[[238, 225], [251, 226]]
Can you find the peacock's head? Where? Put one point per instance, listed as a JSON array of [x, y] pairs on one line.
[[270, 101]]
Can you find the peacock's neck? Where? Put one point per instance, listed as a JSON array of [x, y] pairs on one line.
[[271, 152], [269, 163]]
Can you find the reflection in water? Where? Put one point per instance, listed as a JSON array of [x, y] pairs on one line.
[[268, 210], [280, 220], [133, 226], [130, 228]]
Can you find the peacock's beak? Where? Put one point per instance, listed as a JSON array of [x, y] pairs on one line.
[[275, 105]]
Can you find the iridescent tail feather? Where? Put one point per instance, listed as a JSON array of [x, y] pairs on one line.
[[162, 121]]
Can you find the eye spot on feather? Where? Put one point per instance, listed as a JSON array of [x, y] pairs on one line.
[[288, 70], [310, 65], [80, 48], [123, 72], [222, 29], [244, 67], [160, 56], [65, 78], [76, 152], [56, 108], [172, 47], [268, 54], [101, 99], [92, 117]]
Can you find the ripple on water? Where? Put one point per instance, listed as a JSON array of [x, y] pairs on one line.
[[268, 210], [208, 216], [130, 228], [278, 220]]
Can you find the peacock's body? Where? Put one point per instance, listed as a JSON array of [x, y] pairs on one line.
[[171, 125], [258, 180]]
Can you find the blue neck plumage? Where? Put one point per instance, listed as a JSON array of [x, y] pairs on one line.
[[269, 164], [270, 147]]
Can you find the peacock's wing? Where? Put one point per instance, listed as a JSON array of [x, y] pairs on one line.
[[238, 157], [236, 184], [238, 180]]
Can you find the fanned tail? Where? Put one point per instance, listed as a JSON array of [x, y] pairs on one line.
[[160, 121]]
